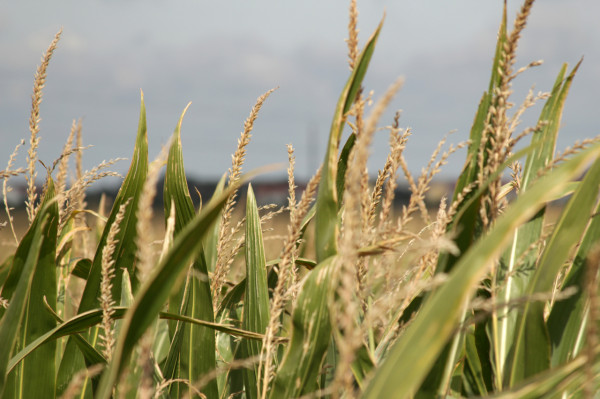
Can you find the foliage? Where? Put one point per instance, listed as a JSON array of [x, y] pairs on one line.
[[489, 298]]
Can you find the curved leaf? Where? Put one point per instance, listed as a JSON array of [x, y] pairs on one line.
[[311, 334], [515, 277], [91, 318], [124, 253], [195, 350], [531, 349], [256, 300], [25, 260], [425, 337], [327, 198], [155, 291]]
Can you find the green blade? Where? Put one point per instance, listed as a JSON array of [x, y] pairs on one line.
[[567, 317], [256, 303], [91, 355], [125, 249], [437, 320], [196, 347], [531, 348], [155, 291], [212, 238], [474, 373], [327, 199], [467, 222], [4, 269], [469, 173], [515, 278], [342, 164], [91, 318], [26, 259], [553, 383], [36, 319], [311, 333]]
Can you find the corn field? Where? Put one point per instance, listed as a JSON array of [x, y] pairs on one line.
[[488, 297]]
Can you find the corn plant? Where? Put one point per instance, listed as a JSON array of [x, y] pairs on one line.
[[487, 297]]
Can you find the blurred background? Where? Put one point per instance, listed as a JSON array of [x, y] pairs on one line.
[[222, 55]]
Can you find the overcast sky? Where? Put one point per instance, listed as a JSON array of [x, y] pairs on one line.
[[221, 55]]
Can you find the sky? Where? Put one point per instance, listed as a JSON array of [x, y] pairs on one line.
[[222, 55]]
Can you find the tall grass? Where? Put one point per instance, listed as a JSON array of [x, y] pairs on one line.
[[488, 297]]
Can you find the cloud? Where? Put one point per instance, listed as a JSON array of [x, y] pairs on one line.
[[222, 66]]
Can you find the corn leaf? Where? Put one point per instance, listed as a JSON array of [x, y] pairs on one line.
[[474, 375], [155, 291], [256, 313], [212, 238], [197, 351], [327, 197], [82, 268], [342, 165], [5, 268], [124, 253], [531, 348], [467, 222], [567, 317], [437, 320], [570, 376], [93, 317], [36, 319], [469, 173], [90, 354], [25, 261], [311, 334], [515, 277]]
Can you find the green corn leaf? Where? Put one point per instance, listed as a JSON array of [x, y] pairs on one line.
[[170, 367], [311, 334], [327, 198], [197, 350], [90, 354], [567, 317], [474, 372], [568, 377], [515, 277], [256, 301], [234, 296], [467, 223], [232, 381], [342, 165], [531, 348], [437, 380], [469, 173], [176, 189], [82, 268], [124, 254], [4, 269], [126, 249], [362, 365], [35, 319], [91, 318], [437, 320], [26, 259], [155, 291], [415, 305], [211, 239]]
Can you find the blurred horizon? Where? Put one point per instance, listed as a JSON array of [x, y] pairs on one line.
[[222, 56]]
